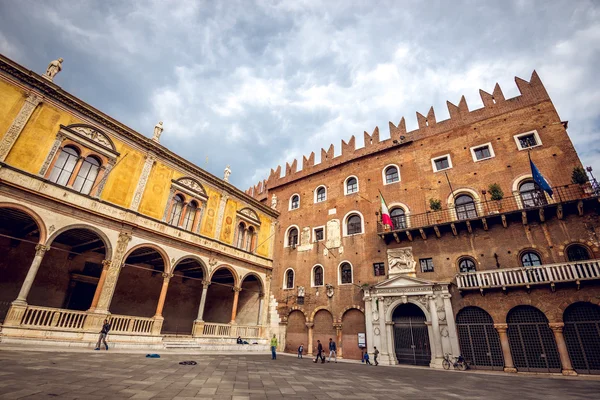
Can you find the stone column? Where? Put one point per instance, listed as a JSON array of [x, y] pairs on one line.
[[369, 323], [261, 300], [435, 327], [112, 275], [509, 366], [452, 331], [40, 251], [338, 338], [383, 335], [236, 296], [15, 129], [105, 267], [163, 295], [389, 332], [310, 326], [205, 285], [141, 185], [565, 360]]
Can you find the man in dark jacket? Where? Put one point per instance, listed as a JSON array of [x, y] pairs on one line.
[[332, 350], [103, 333], [320, 352]]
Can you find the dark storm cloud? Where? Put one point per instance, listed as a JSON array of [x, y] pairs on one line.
[[256, 84]]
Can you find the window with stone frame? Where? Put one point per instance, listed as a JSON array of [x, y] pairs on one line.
[[294, 202], [577, 252], [318, 275], [354, 224], [186, 205], [289, 279], [292, 237], [319, 234], [530, 259], [321, 194], [391, 174], [466, 264], [351, 185], [248, 225], [81, 158], [426, 264], [345, 273], [379, 269]]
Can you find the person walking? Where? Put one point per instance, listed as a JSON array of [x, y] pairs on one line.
[[367, 362], [320, 352], [274, 348], [300, 350], [103, 334], [332, 350], [375, 354]]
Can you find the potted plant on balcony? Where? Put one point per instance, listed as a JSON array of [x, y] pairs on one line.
[[436, 206], [497, 194], [579, 177]]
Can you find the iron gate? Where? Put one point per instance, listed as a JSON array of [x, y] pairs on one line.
[[411, 336], [582, 335], [531, 341], [479, 340]]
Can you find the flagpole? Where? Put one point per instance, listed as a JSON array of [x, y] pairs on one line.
[[451, 190]]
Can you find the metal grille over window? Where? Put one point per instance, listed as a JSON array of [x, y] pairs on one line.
[[479, 340], [426, 264], [354, 225], [527, 141], [576, 252], [391, 175], [87, 175], [64, 166], [346, 271], [318, 276], [465, 207], [379, 269], [532, 195], [530, 259], [582, 335], [398, 218], [352, 185], [466, 265], [531, 341]]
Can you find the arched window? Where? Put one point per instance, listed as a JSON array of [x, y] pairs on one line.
[[354, 224], [241, 231], [289, 279], [532, 195], [577, 252], [398, 218], [188, 222], [465, 207], [64, 166], [351, 185], [250, 238], [176, 208], [345, 273], [87, 175], [318, 276], [321, 194], [293, 237], [466, 264], [294, 202], [530, 259], [391, 174]]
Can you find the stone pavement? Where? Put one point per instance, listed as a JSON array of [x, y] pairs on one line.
[[106, 375]]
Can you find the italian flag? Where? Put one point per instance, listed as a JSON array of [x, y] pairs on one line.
[[385, 213]]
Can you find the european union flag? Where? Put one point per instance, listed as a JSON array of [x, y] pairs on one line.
[[539, 179]]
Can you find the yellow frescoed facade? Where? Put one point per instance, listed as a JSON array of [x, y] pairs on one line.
[[98, 221]]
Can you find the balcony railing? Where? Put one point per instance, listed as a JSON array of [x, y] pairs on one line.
[[231, 331], [129, 324], [49, 318], [481, 209], [528, 276]]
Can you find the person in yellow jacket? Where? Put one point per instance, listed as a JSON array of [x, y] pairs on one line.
[[274, 347]]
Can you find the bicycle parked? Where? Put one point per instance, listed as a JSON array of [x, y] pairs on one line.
[[458, 363]]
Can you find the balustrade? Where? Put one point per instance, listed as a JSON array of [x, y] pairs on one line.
[[46, 317], [230, 331]]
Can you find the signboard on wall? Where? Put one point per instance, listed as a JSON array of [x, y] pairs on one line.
[[362, 340]]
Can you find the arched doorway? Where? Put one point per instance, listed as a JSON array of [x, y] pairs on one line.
[[353, 323], [479, 340], [532, 343], [250, 301], [323, 329], [140, 282], [411, 335], [582, 335], [19, 235], [219, 298], [297, 332], [183, 297]]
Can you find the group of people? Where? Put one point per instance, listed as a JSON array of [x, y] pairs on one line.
[[333, 352]]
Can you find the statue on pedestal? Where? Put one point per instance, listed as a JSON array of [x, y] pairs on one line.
[[53, 68], [226, 173], [158, 128]]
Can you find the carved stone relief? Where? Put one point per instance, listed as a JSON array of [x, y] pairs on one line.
[[191, 184], [93, 135], [401, 261], [139, 190], [114, 270], [51, 154], [18, 124]]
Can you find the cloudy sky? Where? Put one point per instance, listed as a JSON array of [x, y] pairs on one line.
[[256, 84]]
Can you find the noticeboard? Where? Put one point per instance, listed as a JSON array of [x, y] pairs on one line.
[[362, 340]]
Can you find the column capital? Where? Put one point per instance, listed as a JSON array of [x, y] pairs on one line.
[[167, 275], [205, 284], [309, 325], [557, 326], [237, 289], [337, 326], [106, 264], [389, 322], [501, 328], [40, 249]]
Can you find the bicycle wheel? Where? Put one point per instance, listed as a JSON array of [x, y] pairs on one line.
[[461, 366], [446, 364]]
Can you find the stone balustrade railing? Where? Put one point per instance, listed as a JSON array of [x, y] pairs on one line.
[[129, 324], [527, 276], [231, 331], [49, 318]]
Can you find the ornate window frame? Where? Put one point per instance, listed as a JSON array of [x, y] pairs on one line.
[[191, 190], [250, 219], [89, 142]]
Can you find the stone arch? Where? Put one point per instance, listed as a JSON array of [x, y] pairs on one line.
[[345, 223], [557, 314], [469, 192], [163, 254], [518, 181], [316, 310], [194, 257], [296, 331], [250, 300], [236, 277], [286, 238], [257, 276], [352, 321], [101, 235], [296, 308], [323, 327], [36, 218], [352, 307], [390, 310]]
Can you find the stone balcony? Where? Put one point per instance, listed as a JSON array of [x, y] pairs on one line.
[[535, 205], [526, 277]]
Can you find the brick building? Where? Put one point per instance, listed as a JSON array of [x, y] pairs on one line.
[[506, 275]]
